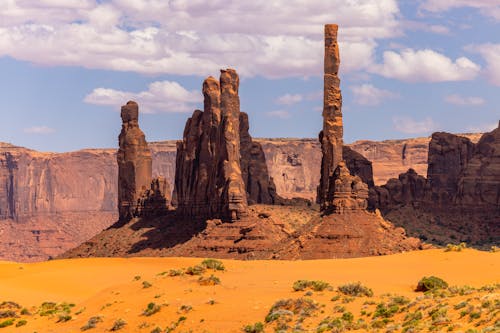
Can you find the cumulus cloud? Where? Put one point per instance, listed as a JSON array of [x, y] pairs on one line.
[[194, 37], [425, 66], [367, 94], [283, 114], [289, 99], [409, 125], [489, 8], [161, 96], [491, 54], [39, 130], [464, 100]]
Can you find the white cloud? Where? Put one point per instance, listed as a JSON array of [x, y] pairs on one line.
[[279, 114], [489, 8], [409, 125], [39, 130], [425, 66], [464, 100], [367, 94], [195, 37], [491, 54], [161, 96], [289, 99]]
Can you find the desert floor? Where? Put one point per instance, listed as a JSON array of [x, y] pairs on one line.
[[113, 288]]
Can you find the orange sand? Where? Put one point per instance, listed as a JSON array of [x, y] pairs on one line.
[[106, 286]]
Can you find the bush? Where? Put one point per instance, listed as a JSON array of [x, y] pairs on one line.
[[63, 318], [431, 283], [255, 328], [355, 289], [455, 248], [6, 323], [212, 280], [21, 322], [175, 272], [146, 284], [151, 309], [91, 323], [118, 325], [213, 264], [317, 285], [195, 270], [288, 307]]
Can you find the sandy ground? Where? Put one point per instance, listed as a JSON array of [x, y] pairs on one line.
[[113, 287]]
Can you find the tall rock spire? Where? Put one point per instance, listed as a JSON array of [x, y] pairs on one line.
[[338, 191], [134, 162]]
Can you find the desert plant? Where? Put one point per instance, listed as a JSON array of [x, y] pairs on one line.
[[175, 272], [146, 284], [431, 283], [385, 311], [157, 330], [255, 328], [137, 278], [7, 314], [91, 323], [6, 323], [118, 324], [455, 248], [63, 318], [151, 309], [301, 306], [25, 312], [21, 322], [316, 285], [195, 270], [185, 308], [355, 289], [213, 264], [212, 280]]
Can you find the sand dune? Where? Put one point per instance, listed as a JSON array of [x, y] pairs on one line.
[[113, 288]]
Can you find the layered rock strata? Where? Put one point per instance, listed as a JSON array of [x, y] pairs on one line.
[[208, 181]]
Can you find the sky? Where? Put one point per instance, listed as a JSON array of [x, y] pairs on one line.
[[408, 68]]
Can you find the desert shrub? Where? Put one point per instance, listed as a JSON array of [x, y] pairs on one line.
[[9, 305], [118, 324], [25, 312], [400, 300], [185, 308], [195, 270], [431, 283], [300, 306], [213, 264], [461, 305], [6, 323], [151, 309], [137, 278], [347, 316], [255, 328], [8, 314], [316, 285], [494, 249], [355, 289], [212, 280], [21, 322], [47, 309], [146, 284], [63, 318], [175, 272], [385, 311], [157, 330], [455, 248], [91, 323]]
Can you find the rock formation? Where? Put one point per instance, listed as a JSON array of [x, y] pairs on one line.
[[208, 181], [137, 193], [259, 186], [331, 137]]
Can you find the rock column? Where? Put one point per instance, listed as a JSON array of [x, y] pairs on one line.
[[134, 162]]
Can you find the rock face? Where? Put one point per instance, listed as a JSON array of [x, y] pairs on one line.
[[331, 137], [459, 200], [259, 186], [208, 181]]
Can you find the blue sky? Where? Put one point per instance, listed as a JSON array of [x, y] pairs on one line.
[[408, 68]]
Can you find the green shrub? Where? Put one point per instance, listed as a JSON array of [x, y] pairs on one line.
[[25, 312], [63, 318], [91, 323], [255, 328], [6, 323], [21, 322], [212, 280], [185, 308], [302, 306], [175, 272], [157, 330], [195, 270], [8, 314], [355, 289], [431, 283], [118, 324], [151, 309], [455, 248], [146, 284], [316, 285], [385, 311], [213, 264]]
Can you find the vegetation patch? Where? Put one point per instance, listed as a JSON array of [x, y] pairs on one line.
[[118, 324], [355, 289], [255, 328], [431, 283], [151, 309], [195, 270], [214, 264], [6, 323], [91, 323], [316, 285], [212, 280], [455, 247]]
